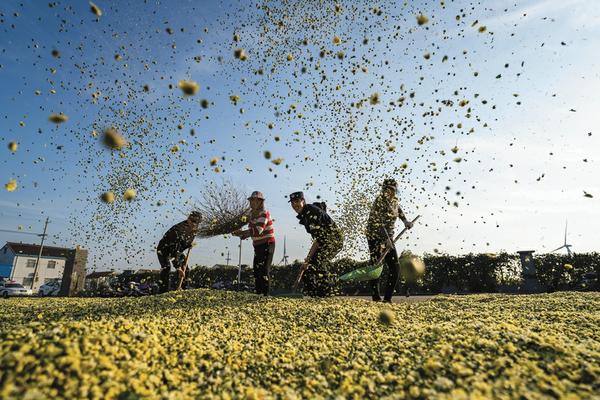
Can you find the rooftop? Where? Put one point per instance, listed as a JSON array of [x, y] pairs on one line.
[[34, 249]]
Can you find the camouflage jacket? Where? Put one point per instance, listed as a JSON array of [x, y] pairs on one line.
[[319, 225], [382, 218]]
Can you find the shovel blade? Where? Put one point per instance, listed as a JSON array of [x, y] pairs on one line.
[[367, 273]]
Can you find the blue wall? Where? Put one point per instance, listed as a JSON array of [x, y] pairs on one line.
[[5, 270]]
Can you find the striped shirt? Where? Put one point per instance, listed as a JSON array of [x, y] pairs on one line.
[[261, 228]]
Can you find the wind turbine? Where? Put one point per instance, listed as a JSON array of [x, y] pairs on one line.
[[566, 246], [284, 260]]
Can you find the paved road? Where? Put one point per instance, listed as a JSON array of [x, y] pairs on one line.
[[397, 299]]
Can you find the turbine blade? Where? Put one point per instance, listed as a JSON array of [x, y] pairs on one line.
[[557, 249]]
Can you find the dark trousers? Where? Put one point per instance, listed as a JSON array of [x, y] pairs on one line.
[[164, 258], [263, 258], [318, 280], [376, 248]]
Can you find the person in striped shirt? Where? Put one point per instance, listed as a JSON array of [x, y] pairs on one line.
[[260, 229]]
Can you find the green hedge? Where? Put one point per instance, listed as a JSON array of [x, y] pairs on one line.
[[553, 274], [470, 273]]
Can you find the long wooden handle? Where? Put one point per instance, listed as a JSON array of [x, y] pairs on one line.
[[182, 277], [380, 259], [297, 283]]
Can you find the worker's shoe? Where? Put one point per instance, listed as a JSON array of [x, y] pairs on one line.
[[387, 301], [376, 298]]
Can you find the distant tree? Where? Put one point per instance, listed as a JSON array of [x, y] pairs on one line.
[[224, 209]]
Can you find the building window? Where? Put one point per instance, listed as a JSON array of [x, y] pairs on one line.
[[27, 282], [51, 264], [31, 263]]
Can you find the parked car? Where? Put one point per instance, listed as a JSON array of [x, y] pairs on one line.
[[49, 289], [130, 289], [219, 285], [10, 289], [140, 289]]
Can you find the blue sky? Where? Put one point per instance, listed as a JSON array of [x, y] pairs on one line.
[[549, 46]]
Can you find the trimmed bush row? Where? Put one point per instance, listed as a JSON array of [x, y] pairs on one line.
[[471, 273]]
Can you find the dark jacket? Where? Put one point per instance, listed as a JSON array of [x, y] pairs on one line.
[[178, 238], [382, 217], [319, 224]]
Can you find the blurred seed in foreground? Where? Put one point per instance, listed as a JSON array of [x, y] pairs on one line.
[[113, 139], [58, 118], [11, 186], [95, 9], [108, 197], [386, 317], [129, 194], [189, 88]]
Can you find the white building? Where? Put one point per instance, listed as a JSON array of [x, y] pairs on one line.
[[17, 263]]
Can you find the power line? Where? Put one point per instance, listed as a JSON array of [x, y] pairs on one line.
[[24, 233]]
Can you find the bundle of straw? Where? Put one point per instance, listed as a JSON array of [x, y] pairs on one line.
[[224, 209]]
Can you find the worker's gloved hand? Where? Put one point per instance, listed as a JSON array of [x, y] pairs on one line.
[[179, 260], [408, 224], [241, 234]]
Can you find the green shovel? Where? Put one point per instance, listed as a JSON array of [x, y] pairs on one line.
[[371, 272]]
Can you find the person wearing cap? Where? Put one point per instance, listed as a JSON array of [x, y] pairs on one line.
[[171, 247], [380, 233], [260, 229], [327, 243]]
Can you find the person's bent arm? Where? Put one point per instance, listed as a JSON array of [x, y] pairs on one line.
[[402, 217], [312, 251], [242, 234], [259, 224], [184, 245]]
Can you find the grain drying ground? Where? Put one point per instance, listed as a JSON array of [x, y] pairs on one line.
[[203, 344]]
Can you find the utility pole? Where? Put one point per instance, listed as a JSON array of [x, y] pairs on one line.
[[228, 258], [37, 262], [240, 266]]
